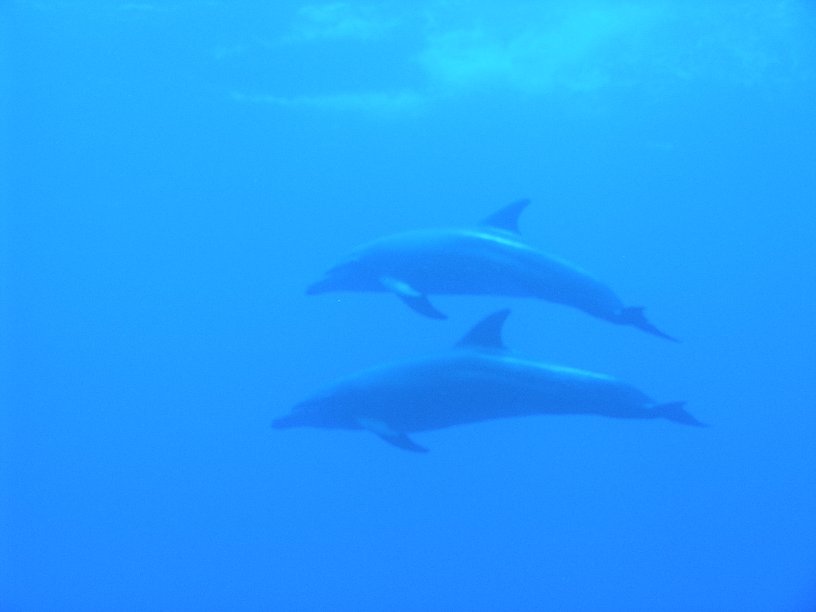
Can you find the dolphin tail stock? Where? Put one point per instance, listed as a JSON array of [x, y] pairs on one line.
[[676, 411], [636, 317]]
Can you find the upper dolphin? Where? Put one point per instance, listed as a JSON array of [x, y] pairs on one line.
[[477, 381], [489, 259]]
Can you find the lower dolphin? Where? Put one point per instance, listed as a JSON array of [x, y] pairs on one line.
[[478, 380], [490, 259]]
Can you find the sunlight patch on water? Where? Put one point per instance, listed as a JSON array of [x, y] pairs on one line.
[[373, 102], [338, 21], [569, 49], [441, 50]]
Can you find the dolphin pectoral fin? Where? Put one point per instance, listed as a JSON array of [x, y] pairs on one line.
[[396, 438], [423, 306], [414, 299], [636, 317], [404, 442]]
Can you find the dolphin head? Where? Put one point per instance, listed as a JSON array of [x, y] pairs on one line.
[[354, 274], [323, 411]]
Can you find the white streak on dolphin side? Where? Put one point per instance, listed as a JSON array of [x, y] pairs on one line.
[[479, 380], [490, 259]]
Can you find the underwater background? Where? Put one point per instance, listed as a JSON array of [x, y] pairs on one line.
[[175, 174]]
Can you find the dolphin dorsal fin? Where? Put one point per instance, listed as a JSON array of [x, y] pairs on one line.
[[487, 333], [507, 218]]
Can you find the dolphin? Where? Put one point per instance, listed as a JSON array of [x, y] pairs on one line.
[[490, 259], [478, 380]]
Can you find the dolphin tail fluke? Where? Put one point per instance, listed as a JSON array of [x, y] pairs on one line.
[[636, 317], [675, 411]]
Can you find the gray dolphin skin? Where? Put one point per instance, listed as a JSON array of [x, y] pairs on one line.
[[489, 259], [478, 380]]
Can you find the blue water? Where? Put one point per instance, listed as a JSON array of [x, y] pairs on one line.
[[176, 173]]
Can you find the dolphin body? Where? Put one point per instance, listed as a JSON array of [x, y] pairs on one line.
[[490, 259], [477, 381]]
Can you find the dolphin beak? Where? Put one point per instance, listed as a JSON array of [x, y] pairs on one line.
[[321, 286], [285, 422]]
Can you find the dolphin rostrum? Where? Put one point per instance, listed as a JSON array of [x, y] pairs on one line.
[[478, 380], [490, 259]]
